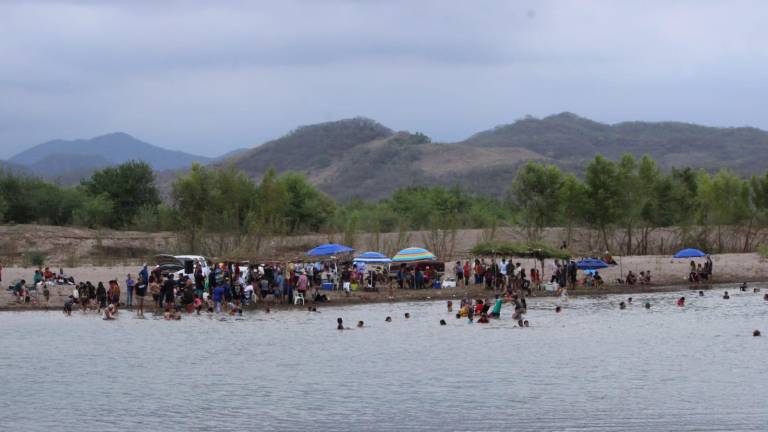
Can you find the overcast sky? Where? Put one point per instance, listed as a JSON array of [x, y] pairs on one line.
[[212, 76]]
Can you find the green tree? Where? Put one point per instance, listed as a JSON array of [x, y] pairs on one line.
[[574, 201], [129, 187], [723, 200], [604, 199], [191, 195], [307, 208], [536, 194], [95, 212]]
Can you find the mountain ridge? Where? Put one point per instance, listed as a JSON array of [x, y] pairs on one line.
[[51, 158], [359, 157]]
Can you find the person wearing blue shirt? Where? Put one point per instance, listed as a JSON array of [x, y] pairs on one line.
[[218, 296]]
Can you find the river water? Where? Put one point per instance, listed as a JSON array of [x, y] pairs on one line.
[[591, 367]]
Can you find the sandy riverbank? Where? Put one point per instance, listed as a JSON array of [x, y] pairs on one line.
[[668, 274]]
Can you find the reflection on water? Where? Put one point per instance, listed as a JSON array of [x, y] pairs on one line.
[[592, 367]]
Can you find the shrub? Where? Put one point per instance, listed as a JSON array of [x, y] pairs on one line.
[[36, 258]]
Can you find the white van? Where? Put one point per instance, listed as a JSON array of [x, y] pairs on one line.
[[176, 264]]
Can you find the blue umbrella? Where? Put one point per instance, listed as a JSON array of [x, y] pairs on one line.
[[330, 249], [689, 253], [591, 264], [372, 258]]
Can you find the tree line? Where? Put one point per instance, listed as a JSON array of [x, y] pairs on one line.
[[221, 208]]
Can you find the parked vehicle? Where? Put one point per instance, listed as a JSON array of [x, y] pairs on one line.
[[178, 265]]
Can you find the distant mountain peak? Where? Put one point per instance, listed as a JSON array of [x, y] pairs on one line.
[[83, 156]]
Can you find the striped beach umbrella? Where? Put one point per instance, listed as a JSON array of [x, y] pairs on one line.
[[413, 254], [372, 258]]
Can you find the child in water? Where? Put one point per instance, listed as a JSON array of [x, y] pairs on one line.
[[681, 301], [726, 296], [109, 312], [450, 306], [483, 318]]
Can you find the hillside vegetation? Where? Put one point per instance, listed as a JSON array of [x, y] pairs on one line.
[[364, 159]]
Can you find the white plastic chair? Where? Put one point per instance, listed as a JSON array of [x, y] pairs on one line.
[[297, 296]]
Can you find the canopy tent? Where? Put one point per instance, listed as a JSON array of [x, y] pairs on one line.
[[591, 264], [330, 249], [371, 258], [413, 254], [689, 253]]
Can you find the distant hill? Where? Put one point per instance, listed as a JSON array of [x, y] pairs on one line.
[[310, 147], [78, 158], [360, 157], [572, 140], [9, 167]]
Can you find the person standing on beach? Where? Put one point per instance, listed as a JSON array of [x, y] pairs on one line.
[[114, 293], [167, 295], [101, 296], [302, 284], [129, 286], [218, 296], [141, 291], [154, 289]]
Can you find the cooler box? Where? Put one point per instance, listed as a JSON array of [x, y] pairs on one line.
[[438, 284], [328, 286]]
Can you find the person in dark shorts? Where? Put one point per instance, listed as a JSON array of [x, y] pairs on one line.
[[68, 306], [101, 296], [168, 295], [141, 291]]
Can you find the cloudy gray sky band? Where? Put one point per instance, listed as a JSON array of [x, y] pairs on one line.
[[211, 76]]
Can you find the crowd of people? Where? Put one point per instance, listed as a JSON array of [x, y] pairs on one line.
[[700, 273]]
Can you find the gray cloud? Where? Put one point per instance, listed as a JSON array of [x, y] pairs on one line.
[[207, 77]]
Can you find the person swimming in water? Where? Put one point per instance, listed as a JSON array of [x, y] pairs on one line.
[[526, 323], [450, 306], [442, 322], [360, 324], [340, 324], [726, 296], [681, 301], [629, 300], [622, 305], [765, 297], [647, 305], [520, 323], [558, 309], [756, 333], [743, 287], [701, 293], [483, 318], [388, 319], [407, 315]]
